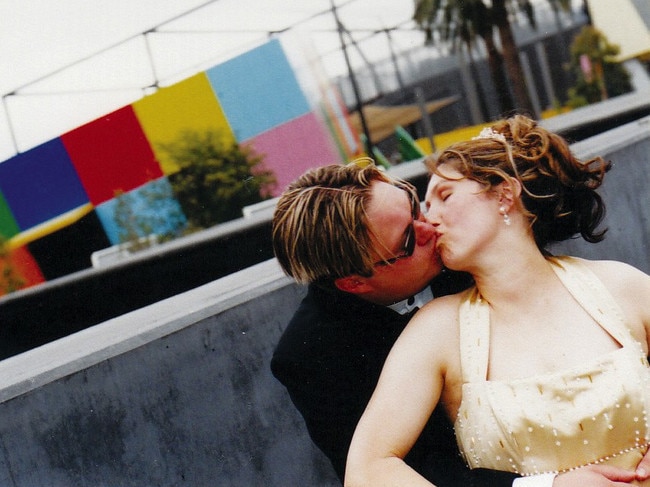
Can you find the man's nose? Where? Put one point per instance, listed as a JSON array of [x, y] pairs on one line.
[[424, 231]]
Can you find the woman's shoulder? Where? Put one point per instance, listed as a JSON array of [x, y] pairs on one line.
[[630, 288], [431, 336], [613, 271], [440, 313], [446, 303], [626, 282]]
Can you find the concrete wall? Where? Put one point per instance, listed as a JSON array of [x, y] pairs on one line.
[[180, 393], [627, 195], [54, 309]]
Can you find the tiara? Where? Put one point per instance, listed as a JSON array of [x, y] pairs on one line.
[[490, 133]]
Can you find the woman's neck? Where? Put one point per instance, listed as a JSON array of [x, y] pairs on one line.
[[509, 276]]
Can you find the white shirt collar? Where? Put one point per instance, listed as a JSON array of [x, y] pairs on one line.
[[417, 301]]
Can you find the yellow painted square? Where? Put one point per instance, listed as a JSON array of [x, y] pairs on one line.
[[190, 105]]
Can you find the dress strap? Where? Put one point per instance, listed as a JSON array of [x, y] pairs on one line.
[[589, 291], [474, 325]]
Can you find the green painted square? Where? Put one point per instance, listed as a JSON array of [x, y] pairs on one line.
[[8, 225]]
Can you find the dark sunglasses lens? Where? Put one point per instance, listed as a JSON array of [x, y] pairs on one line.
[[409, 245]]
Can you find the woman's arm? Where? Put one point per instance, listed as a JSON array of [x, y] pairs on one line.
[[408, 390]]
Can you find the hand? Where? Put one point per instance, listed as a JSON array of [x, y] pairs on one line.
[[643, 468], [598, 476]]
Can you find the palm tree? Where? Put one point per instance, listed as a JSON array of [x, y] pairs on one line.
[[514, 70], [463, 20], [466, 19]]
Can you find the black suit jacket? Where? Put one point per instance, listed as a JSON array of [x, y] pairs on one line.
[[329, 359]]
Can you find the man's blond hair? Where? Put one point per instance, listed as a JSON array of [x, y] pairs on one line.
[[320, 227]]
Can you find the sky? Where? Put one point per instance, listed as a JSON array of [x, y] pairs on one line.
[[67, 62]]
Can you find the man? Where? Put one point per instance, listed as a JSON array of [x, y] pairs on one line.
[[357, 237]]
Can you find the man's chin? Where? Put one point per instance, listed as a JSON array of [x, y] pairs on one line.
[[437, 259], [435, 271]]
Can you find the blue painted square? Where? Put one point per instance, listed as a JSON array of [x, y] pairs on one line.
[[149, 209], [41, 184], [258, 90]]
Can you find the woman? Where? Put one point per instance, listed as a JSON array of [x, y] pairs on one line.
[[542, 364]]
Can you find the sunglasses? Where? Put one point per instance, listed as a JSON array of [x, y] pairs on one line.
[[409, 240]]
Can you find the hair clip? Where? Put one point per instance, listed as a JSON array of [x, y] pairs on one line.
[[490, 133]]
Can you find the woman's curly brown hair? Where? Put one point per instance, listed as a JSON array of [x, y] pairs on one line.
[[558, 190]]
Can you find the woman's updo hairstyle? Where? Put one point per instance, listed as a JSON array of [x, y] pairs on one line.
[[558, 190]]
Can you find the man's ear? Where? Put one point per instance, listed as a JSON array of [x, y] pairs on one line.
[[353, 284]]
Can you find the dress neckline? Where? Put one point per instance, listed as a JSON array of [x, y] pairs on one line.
[[585, 287]]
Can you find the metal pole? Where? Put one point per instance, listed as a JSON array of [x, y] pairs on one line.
[[530, 84], [10, 125], [371, 67], [353, 81], [470, 88], [561, 45], [426, 119], [546, 73], [393, 57]]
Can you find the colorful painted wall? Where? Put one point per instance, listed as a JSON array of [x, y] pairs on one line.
[[57, 200]]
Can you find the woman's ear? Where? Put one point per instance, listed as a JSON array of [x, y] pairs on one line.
[[353, 284], [509, 192]]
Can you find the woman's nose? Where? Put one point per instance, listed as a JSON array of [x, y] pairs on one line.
[[431, 216]]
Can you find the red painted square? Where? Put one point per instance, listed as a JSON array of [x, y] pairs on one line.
[[111, 155], [21, 266]]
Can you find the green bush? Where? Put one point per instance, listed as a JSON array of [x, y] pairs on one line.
[[217, 178], [607, 78]]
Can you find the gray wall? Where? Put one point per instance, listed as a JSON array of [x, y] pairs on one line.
[[180, 393], [626, 192]]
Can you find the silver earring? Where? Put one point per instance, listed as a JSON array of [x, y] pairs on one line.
[[506, 217]]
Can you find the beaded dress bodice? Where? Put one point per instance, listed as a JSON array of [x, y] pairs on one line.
[[592, 413]]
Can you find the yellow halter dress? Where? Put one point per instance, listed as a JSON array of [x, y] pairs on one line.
[[590, 414]]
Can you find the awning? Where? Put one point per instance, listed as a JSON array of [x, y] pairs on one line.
[[625, 23], [382, 120]]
